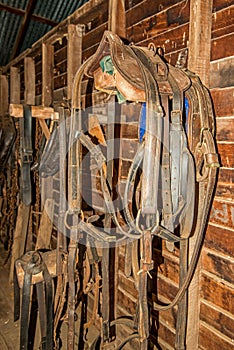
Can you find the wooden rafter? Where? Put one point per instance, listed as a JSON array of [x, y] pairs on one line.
[[23, 28], [20, 12]]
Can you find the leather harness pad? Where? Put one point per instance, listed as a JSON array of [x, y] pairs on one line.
[[123, 58]]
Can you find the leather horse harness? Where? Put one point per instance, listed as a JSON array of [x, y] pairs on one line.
[[177, 162]]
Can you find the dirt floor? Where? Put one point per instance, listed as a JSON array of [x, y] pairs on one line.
[[9, 330]]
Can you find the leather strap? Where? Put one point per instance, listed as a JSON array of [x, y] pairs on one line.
[[26, 155], [32, 263]]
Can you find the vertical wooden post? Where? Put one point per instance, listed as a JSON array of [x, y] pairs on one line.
[[29, 81], [74, 54], [4, 95], [74, 59], [200, 38], [29, 99], [14, 85], [117, 17], [47, 74], [199, 63]]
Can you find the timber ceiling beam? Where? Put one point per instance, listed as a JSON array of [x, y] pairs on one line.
[[23, 28], [20, 12]]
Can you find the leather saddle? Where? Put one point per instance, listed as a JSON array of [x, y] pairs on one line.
[[127, 76]]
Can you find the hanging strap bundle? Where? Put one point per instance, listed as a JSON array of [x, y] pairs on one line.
[[31, 269], [176, 157]]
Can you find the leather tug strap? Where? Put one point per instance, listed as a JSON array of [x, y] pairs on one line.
[[26, 155], [32, 264]]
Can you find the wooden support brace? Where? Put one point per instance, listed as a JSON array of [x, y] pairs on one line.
[[40, 112], [20, 235], [200, 38], [199, 63], [117, 17], [4, 95], [47, 74], [74, 54], [29, 81], [46, 225], [14, 85]]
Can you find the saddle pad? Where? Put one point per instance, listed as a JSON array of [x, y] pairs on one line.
[[127, 77]]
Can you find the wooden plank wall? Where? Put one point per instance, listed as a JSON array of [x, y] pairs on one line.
[[217, 282], [166, 23]]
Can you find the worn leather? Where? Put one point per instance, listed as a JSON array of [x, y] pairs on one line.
[[7, 138]]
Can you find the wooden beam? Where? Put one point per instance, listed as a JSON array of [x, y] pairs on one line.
[[4, 95], [198, 62], [20, 235], [200, 38], [117, 17], [46, 225], [20, 12], [40, 112], [74, 54], [29, 81], [47, 74], [14, 85], [23, 28]]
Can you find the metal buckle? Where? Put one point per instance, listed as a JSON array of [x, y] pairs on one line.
[[27, 158]]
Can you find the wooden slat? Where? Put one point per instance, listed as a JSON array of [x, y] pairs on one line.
[[47, 74], [4, 95], [146, 9], [220, 4], [223, 101], [222, 213], [60, 82], [127, 284], [223, 130], [94, 36], [172, 40], [160, 22], [60, 55], [166, 290], [217, 293], [219, 239], [226, 153], [126, 301], [219, 265], [222, 47], [222, 22], [221, 73], [225, 186], [74, 54], [209, 339], [14, 85], [217, 318], [29, 81]]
